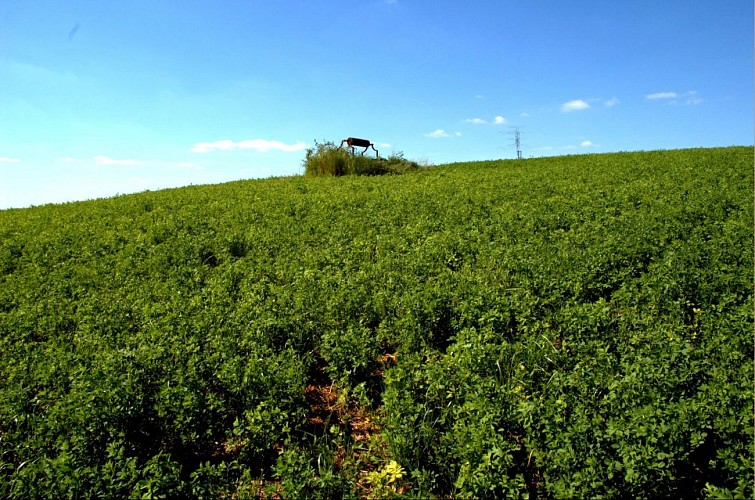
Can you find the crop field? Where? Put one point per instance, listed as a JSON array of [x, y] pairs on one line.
[[568, 327]]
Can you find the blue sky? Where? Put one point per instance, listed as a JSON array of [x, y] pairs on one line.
[[99, 98]]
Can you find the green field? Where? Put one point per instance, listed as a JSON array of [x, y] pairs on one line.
[[568, 327]]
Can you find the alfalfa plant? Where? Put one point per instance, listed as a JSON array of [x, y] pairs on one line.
[[327, 159]]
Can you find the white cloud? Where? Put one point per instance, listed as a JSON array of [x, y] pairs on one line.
[[260, 145], [611, 102], [10, 160], [497, 120], [691, 98], [457, 134], [437, 133], [106, 160], [661, 95], [524, 115], [575, 105], [586, 144]]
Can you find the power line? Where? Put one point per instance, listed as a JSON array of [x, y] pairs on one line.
[[516, 134], [518, 144]]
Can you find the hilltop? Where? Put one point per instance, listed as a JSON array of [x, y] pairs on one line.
[[575, 326]]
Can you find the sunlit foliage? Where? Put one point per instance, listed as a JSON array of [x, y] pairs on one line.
[[567, 327]]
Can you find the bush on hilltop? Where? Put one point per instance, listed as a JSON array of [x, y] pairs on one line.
[[327, 159]]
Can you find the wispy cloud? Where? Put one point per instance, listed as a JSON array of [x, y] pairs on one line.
[[31, 73], [438, 133], [497, 120], [186, 164], [611, 102], [575, 105], [661, 95], [107, 161], [10, 160], [261, 145], [690, 98]]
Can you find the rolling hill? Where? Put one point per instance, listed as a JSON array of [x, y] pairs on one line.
[[575, 326]]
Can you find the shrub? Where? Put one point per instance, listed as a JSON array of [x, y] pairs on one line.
[[326, 159]]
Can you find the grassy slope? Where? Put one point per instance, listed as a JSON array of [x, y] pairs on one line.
[[565, 326]]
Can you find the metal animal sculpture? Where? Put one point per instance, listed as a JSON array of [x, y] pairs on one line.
[[353, 142]]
